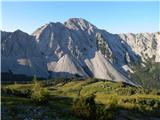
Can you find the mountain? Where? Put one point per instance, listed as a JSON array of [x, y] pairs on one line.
[[78, 48], [146, 45], [20, 55]]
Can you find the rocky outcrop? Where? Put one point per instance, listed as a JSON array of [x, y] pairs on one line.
[[143, 44], [21, 55], [157, 55]]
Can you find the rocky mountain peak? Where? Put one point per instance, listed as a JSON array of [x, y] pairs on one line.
[[48, 27], [18, 31], [79, 24], [53, 24]]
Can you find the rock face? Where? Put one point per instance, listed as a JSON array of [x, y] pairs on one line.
[[146, 45], [77, 48], [157, 55], [20, 55]]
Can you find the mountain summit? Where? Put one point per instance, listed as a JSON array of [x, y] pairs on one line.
[[79, 24], [77, 48]]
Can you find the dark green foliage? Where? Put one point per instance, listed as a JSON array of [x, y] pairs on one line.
[[128, 91], [84, 107], [143, 103], [16, 92], [149, 76], [105, 113], [135, 90], [155, 91], [39, 94]]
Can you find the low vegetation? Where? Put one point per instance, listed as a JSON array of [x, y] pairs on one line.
[[84, 107], [148, 76], [39, 94], [89, 99]]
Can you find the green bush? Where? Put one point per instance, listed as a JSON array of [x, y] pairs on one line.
[[125, 91], [84, 107], [155, 92], [107, 112], [39, 94], [104, 112], [143, 103]]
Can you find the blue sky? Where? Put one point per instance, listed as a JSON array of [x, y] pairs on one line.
[[115, 17]]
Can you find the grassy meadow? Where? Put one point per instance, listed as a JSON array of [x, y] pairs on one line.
[[89, 99]]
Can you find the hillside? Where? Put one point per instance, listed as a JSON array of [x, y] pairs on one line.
[[78, 100]]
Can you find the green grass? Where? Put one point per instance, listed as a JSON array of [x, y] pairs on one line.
[[10, 100], [118, 95]]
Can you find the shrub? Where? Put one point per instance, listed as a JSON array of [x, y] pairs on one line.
[[84, 107], [104, 113], [154, 92], [39, 94], [126, 91]]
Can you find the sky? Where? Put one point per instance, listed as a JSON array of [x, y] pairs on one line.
[[115, 17]]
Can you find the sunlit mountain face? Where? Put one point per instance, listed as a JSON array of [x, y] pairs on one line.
[[77, 48]]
